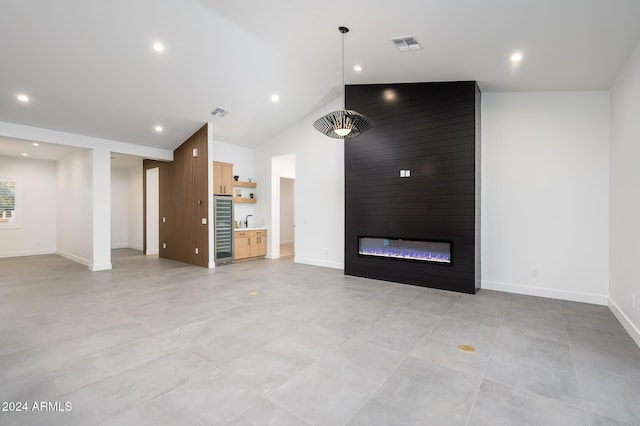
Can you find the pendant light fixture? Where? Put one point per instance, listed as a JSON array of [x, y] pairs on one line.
[[343, 123]]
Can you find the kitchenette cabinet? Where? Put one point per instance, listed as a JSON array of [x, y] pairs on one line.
[[222, 178], [250, 243]]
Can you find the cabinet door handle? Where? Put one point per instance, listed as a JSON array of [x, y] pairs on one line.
[[248, 241]]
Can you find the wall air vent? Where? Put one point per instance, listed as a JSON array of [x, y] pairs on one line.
[[219, 112], [406, 43]]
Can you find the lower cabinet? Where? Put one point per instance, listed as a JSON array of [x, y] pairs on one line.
[[248, 244]]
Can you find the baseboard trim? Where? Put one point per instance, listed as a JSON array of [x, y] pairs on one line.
[[152, 253], [315, 262], [119, 246], [100, 267], [135, 247], [633, 331], [27, 253], [74, 258], [574, 296]]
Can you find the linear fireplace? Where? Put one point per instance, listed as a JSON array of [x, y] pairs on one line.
[[415, 174], [425, 251]]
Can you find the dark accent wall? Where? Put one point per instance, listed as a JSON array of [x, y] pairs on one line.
[[433, 130], [183, 202]]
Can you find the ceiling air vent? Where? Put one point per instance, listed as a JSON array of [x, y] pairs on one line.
[[219, 112], [406, 43]]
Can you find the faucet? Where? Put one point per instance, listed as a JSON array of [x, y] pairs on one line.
[[246, 220]]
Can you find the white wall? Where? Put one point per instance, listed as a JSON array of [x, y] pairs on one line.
[[136, 211], [242, 160], [74, 206], [127, 207], [319, 189], [36, 233], [153, 211], [545, 194], [119, 208], [286, 211], [625, 195]]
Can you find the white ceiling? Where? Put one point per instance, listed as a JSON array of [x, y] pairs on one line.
[[89, 67]]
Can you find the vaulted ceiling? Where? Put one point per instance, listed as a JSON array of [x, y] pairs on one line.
[[89, 66]]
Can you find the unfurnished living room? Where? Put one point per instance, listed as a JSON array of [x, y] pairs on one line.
[[338, 213]]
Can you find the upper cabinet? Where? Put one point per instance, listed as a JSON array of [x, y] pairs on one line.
[[222, 178]]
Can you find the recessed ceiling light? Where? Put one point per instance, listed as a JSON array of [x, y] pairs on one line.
[[275, 97], [35, 144], [24, 154], [516, 57], [357, 68], [389, 95], [158, 128], [158, 47], [22, 97]]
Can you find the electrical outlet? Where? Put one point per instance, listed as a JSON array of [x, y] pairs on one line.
[[534, 273]]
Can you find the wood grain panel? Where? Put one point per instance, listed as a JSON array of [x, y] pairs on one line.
[[183, 202], [433, 130]]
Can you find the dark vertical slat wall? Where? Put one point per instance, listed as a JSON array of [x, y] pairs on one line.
[[433, 130], [183, 202]]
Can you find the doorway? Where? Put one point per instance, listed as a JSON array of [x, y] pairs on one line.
[[283, 174], [287, 218], [153, 211]]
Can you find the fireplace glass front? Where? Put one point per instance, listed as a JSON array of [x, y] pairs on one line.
[[427, 251]]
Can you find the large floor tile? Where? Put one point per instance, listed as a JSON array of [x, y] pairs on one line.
[[330, 392], [610, 395], [421, 393], [433, 302], [401, 329], [266, 413], [500, 405], [441, 345], [535, 316], [100, 401], [536, 365], [485, 308]]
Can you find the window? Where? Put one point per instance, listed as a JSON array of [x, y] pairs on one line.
[[8, 202]]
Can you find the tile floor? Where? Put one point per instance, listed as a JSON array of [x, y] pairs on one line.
[[162, 343]]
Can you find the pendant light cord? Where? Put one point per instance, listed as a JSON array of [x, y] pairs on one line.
[[344, 88]]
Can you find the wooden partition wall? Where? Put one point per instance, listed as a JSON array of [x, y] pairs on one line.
[[183, 202]]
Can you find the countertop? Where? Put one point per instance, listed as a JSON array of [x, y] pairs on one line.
[[255, 228]]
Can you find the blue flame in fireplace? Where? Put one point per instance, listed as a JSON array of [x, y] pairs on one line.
[[428, 251]]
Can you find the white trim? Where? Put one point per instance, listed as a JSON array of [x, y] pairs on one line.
[[77, 259], [315, 262], [100, 267], [574, 296], [625, 321], [119, 246], [152, 253], [27, 253]]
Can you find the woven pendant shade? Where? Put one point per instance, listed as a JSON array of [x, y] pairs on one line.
[[343, 123]]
